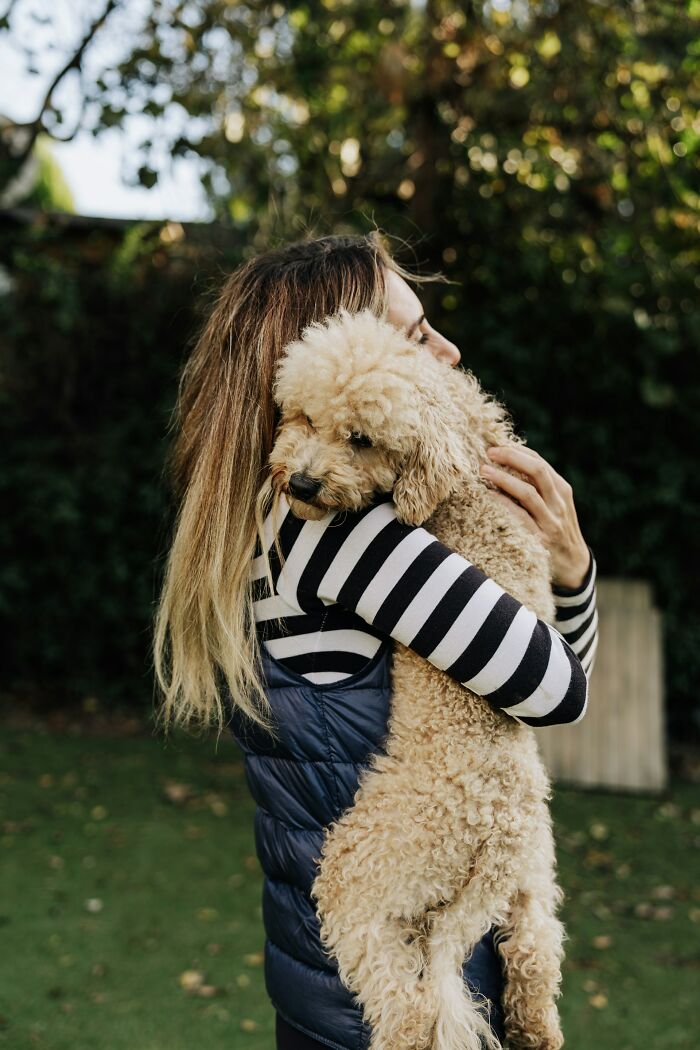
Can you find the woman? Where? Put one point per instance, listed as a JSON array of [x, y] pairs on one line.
[[286, 652]]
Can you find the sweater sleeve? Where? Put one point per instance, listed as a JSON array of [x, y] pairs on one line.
[[577, 616], [404, 582]]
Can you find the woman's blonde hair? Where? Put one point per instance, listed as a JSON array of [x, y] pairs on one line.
[[204, 636]]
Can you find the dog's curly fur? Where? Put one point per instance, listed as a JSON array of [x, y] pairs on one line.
[[450, 832]]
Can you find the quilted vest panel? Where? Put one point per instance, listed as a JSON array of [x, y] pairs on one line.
[[302, 782]]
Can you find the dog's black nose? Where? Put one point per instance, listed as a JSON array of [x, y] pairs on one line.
[[303, 488]]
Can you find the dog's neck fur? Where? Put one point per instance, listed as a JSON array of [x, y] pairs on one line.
[[483, 419], [477, 421]]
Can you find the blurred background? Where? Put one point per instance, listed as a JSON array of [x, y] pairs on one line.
[[544, 157]]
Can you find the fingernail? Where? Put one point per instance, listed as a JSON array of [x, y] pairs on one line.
[[486, 469]]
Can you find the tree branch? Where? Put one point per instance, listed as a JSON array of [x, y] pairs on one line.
[[78, 121], [10, 8], [74, 62]]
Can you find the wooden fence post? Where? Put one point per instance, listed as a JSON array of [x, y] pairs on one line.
[[620, 742]]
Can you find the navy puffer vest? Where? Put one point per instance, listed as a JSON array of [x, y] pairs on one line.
[[301, 783]]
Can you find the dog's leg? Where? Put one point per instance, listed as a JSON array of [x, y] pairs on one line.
[[462, 1021], [397, 1003], [532, 952], [370, 901], [381, 959], [530, 945]]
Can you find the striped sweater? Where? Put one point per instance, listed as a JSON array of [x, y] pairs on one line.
[[352, 580]]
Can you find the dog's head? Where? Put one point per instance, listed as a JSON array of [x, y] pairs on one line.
[[366, 410]]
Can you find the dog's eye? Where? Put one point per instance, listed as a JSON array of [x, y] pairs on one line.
[[360, 441]]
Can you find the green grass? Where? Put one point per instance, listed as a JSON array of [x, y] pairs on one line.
[[114, 883]]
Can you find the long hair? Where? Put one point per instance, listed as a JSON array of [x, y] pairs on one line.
[[224, 422]]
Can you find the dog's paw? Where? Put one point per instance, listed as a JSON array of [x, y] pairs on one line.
[[405, 1020], [538, 1037]]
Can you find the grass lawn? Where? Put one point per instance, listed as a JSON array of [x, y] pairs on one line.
[[130, 903]]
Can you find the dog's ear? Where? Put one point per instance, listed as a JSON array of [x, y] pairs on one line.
[[431, 469]]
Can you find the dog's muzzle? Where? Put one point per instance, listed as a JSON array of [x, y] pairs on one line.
[[303, 487]]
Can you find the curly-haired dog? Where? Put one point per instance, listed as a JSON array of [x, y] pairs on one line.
[[449, 832]]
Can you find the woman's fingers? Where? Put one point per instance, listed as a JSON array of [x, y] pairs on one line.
[[541, 474], [549, 500], [525, 493]]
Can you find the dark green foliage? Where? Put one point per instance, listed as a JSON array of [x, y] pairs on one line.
[[91, 341]]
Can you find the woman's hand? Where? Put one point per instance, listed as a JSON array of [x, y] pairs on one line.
[[545, 503]]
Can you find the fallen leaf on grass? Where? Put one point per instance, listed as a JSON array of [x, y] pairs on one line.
[[191, 980], [677, 961], [216, 804], [193, 832], [208, 991], [194, 983], [586, 962], [177, 793], [248, 1024], [598, 858], [646, 910], [254, 959], [599, 1001], [663, 893], [602, 941], [218, 1012]]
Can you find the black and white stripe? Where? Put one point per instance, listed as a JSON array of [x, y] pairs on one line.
[[577, 617], [350, 580]]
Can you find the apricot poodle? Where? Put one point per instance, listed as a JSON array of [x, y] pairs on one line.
[[450, 832]]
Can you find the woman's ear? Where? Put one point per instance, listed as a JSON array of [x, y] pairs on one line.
[[431, 469]]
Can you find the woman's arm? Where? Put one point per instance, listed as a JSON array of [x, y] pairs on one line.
[[403, 581], [577, 616]]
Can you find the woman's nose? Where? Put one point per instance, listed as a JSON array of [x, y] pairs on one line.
[[444, 350]]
